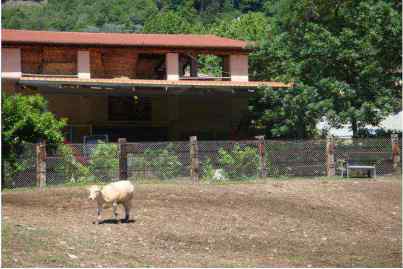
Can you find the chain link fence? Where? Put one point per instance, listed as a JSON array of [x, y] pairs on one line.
[[372, 151], [296, 158], [221, 160], [20, 172], [162, 160], [218, 160], [82, 162]]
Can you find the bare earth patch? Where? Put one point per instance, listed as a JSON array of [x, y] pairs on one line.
[[275, 224]]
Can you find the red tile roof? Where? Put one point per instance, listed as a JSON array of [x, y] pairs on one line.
[[122, 39]]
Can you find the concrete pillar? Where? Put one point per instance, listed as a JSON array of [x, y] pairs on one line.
[[172, 64], [239, 67], [11, 63], [83, 64]]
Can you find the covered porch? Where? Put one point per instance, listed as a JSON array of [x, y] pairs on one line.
[[147, 110]]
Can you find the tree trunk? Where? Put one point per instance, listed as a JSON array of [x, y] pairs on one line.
[[354, 127]]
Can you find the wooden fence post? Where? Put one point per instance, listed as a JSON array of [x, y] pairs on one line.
[[262, 156], [122, 158], [395, 151], [194, 159], [330, 161], [40, 164]]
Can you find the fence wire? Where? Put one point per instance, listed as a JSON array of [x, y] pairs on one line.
[[218, 160], [82, 162], [162, 160], [221, 160], [296, 158], [21, 171], [372, 151]]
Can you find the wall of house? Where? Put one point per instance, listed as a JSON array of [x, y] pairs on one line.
[[116, 62], [49, 60], [210, 117], [207, 117], [238, 65], [107, 62], [125, 62]]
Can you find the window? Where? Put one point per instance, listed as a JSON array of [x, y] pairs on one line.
[[129, 108]]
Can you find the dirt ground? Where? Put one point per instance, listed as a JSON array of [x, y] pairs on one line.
[[292, 223]]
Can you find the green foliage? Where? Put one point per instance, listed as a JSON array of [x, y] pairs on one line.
[[25, 119], [104, 161], [72, 169], [210, 65], [252, 26], [163, 163], [207, 169], [343, 60], [81, 15], [239, 163], [171, 22]]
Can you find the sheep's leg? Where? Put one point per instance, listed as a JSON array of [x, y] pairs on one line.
[[98, 215], [127, 212], [115, 207]]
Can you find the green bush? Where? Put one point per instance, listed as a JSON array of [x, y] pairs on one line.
[[239, 163], [207, 169], [25, 119], [71, 167], [163, 163], [104, 161]]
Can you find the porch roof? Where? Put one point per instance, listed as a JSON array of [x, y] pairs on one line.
[[124, 82], [11, 36]]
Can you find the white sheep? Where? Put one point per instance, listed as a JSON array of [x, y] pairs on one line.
[[119, 192]]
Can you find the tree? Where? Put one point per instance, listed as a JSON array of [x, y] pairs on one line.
[[252, 27], [170, 22], [26, 119], [344, 60]]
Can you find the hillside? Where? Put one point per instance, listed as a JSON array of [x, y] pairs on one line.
[[123, 15]]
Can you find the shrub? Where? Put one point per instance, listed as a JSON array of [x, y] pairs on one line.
[[239, 163], [71, 167], [207, 169], [163, 163], [104, 161], [25, 118]]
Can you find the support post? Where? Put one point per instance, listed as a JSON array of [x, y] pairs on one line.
[[40, 149], [395, 151], [122, 158], [262, 156], [330, 161], [194, 159]]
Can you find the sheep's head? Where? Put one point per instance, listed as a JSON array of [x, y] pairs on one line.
[[94, 192]]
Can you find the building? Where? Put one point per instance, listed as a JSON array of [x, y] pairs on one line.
[[144, 87]]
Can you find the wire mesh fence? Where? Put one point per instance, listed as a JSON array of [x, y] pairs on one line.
[[296, 158], [373, 151], [221, 160], [217, 160], [162, 160], [82, 162], [20, 170]]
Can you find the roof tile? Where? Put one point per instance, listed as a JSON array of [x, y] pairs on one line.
[[122, 39]]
